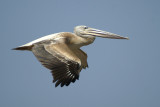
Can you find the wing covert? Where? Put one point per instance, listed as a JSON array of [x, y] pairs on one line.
[[62, 62]]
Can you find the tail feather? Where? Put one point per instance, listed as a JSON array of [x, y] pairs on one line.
[[23, 48]]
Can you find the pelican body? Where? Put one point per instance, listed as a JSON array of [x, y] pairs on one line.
[[61, 53]]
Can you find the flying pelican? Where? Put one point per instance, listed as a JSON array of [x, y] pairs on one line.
[[61, 53]]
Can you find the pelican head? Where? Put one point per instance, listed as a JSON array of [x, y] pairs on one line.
[[86, 32]]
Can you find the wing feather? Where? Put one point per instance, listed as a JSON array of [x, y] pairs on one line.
[[60, 59]]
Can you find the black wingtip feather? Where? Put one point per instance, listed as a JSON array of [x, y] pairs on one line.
[[58, 82], [67, 84], [23, 48]]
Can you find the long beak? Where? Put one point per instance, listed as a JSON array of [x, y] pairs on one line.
[[103, 34]]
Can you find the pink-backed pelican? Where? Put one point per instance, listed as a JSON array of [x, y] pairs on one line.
[[61, 53]]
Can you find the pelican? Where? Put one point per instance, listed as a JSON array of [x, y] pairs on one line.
[[61, 53]]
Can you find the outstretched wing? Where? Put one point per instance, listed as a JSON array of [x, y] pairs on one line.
[[59, 58]]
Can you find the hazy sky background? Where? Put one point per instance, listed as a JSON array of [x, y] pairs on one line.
[[121, 73]]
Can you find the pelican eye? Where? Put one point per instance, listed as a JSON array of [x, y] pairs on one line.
[[85, 27]]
